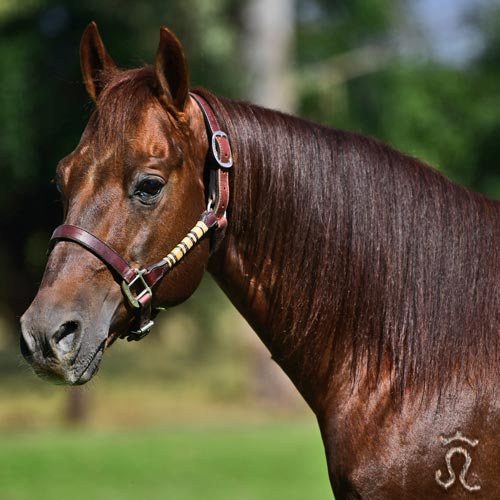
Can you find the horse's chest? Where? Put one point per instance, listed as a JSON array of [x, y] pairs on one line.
[[415, 453]]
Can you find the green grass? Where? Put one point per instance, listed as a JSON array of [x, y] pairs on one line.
[[177, 389], [256, 462]]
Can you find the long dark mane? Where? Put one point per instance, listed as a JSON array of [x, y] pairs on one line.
[[372, 250]]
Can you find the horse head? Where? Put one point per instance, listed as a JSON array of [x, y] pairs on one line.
[[136, 182]]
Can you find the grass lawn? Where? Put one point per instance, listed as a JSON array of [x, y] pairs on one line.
[[252, 462]]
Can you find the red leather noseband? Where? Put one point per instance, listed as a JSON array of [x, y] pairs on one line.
[[137, 284], [96, 246]]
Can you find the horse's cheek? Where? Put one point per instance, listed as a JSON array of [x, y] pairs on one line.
[[178, 285]]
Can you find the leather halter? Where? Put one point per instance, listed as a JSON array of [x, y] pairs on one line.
[[137, 284]]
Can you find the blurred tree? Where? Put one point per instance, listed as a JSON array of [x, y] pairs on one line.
[[270, 24], [446, 115]]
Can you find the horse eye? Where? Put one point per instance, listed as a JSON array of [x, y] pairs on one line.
[[148, 188]]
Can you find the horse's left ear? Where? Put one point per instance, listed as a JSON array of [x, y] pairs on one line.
[[171, 69]]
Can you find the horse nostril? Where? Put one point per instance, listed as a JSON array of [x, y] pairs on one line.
[[65, 335], [25, 348]]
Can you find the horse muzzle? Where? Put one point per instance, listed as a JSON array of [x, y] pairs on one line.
[[61, 346]]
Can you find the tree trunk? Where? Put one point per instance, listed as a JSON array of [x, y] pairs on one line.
[[269, 28], [77, 405]]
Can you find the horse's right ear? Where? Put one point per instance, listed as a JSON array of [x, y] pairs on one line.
[[171, 68], [97, 65]]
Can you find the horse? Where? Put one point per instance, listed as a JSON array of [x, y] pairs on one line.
[[372, 279]]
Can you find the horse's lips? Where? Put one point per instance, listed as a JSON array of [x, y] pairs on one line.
[[91, 367]]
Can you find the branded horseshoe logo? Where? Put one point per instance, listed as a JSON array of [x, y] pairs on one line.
[[457, 450]]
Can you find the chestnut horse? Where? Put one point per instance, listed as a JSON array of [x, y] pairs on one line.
[[372, 279]]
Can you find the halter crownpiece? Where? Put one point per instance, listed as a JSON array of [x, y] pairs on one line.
[[137, 284], [221, 152]]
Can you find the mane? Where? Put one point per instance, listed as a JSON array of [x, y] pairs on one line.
[[373, 252]]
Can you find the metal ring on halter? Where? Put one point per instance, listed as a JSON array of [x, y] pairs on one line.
[[216, 149]]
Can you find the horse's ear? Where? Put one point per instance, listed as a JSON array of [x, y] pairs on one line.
[[171, 69], [97, 65]]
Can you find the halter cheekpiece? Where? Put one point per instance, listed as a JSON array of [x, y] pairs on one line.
[[137, 284]]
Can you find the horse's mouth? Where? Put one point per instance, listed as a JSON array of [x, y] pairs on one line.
[[77, 373], [91, 366]]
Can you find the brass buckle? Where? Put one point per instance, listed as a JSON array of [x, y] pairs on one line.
[[127, 289]]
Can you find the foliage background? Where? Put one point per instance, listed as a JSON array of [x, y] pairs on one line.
[[420, 75]]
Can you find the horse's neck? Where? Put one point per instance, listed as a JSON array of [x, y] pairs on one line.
[[251, 291], [363, 271], [333, 240], [259, 262]]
